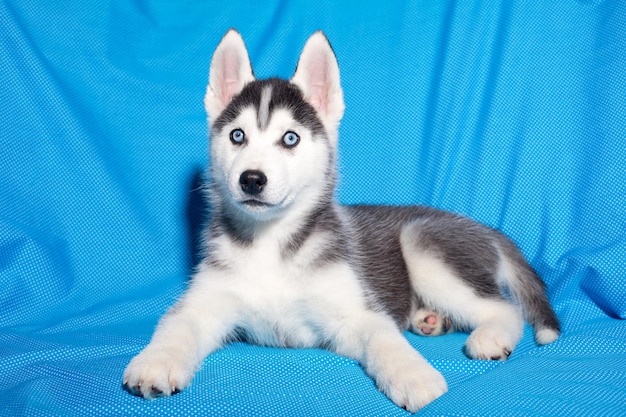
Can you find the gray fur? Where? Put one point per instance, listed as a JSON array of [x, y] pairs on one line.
[[263, 112], [375, 233], [323, 219]]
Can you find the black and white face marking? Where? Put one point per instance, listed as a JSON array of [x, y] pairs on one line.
[[266, 147], [265, 96], [283, 131]]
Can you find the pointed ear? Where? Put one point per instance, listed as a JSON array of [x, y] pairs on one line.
[[317, 75], [230, 72]]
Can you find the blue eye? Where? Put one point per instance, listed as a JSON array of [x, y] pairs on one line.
[[290, 139], [237, 136]]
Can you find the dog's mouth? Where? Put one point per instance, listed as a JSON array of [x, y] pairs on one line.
[[256, 204], [261, 208]]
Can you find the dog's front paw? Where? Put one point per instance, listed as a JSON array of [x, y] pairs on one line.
[[428, 323], [158, 372], [412, 385]]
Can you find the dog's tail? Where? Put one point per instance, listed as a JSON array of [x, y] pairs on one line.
[[528, 290]]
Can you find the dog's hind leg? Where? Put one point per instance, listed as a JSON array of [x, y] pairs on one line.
[[472, 302]]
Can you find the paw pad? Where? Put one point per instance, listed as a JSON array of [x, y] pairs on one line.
[[428, 323]]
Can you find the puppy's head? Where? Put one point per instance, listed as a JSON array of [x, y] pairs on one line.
[[272, 141]]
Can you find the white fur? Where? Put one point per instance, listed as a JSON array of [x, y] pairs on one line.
[[545, 336], [281, 304]]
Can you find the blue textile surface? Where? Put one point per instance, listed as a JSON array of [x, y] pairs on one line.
[[511, 112]]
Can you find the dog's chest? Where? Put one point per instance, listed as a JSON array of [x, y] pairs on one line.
[[285, 303]]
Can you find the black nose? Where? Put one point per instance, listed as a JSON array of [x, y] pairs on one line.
[[252, 181]]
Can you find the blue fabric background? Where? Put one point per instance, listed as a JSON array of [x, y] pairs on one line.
[[512, 112]]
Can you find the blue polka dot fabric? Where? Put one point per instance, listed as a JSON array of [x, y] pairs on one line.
[[511, 112]]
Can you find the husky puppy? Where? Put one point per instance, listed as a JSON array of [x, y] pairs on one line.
[[285, 265]]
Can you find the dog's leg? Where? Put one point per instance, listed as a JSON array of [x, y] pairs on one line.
[[498, 329], [497, 323], [194, 327], [400, 371]]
